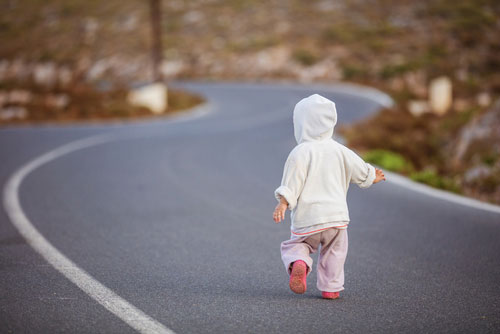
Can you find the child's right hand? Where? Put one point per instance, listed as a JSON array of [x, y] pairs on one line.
[[379, 176], [279, 211]]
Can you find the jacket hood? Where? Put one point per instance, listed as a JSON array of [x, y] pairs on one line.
[[314, 118]]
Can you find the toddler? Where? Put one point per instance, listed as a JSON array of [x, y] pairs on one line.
[[315, 180]]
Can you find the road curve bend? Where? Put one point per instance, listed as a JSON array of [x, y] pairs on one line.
[[174, 218]]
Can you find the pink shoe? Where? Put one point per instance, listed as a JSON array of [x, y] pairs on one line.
[[330, 295], [298, 276]]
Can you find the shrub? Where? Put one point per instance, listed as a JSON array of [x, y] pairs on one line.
[[430, 177], [391, 70], [305, 57], [350, 72], [179, 100], [388, 160]]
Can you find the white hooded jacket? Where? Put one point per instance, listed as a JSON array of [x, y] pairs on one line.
[[318, 170]]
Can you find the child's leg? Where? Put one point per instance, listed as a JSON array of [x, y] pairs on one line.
[[299, 248], [331, 260]]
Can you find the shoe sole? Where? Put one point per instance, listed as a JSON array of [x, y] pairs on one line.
[[297, 284], [334, 297]]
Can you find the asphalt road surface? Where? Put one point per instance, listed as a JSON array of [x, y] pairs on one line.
[[176, 218]]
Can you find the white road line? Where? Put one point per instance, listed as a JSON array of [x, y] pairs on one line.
[[103, 295], [127, 312], [441, 194], [385, 100]]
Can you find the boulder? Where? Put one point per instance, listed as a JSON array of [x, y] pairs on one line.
[[20, 96], [484, 99], [45, 74], [65, 75], [415, 81], [12, 113], [58, 101], [418, 107], [484, 128], [4, 97], [172, 68], [4, 67]]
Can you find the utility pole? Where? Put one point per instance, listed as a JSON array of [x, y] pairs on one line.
[[156, 47], [153, 96]]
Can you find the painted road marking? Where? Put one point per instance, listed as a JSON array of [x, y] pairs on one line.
[[441, 194], [127, 312], [103, 295]]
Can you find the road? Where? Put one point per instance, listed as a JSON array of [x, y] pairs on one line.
[[176, 218]]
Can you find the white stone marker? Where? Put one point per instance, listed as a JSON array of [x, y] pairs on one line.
[[440, 98], [153, 96]]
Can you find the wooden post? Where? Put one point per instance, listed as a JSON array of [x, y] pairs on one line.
[[156, 47]]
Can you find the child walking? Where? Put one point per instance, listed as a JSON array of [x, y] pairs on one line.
[[314, 187]]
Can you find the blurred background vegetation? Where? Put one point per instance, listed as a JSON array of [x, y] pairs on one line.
[[72, 49]]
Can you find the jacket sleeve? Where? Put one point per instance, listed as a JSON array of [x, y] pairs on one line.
[[294, 176], [362, 173]]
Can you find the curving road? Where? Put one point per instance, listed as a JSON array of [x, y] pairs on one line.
[[175, 217]]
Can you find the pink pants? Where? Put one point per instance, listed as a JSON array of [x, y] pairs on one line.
[[331, 259]]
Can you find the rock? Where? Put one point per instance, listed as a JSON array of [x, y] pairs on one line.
[[65, 75], [440, 98], [329, 6], [176, 5], [193, 16], [171, 68], [282, 27], [326, 69], [51, 17], [58, 101], [484, 128], [18, 69], [418, 107], [126, 22], [98, 69], [272, 59], [396, 83], [20, 96], [483, 99], [90, 25], [12, 113], [416, 83], [4, 67], [477, 172], [218, 43], [45, 74], [153, 96], [4, 98], [462, 74]]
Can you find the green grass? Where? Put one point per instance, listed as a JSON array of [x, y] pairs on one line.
[[431, 178], [388, 160]]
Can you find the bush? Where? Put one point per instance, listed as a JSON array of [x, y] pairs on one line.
[[431, 178], [350, 72], [388, 160], [391, 70], [179, 100], [305, 57]]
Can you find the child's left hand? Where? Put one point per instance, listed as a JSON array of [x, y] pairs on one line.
[[279, 211]]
